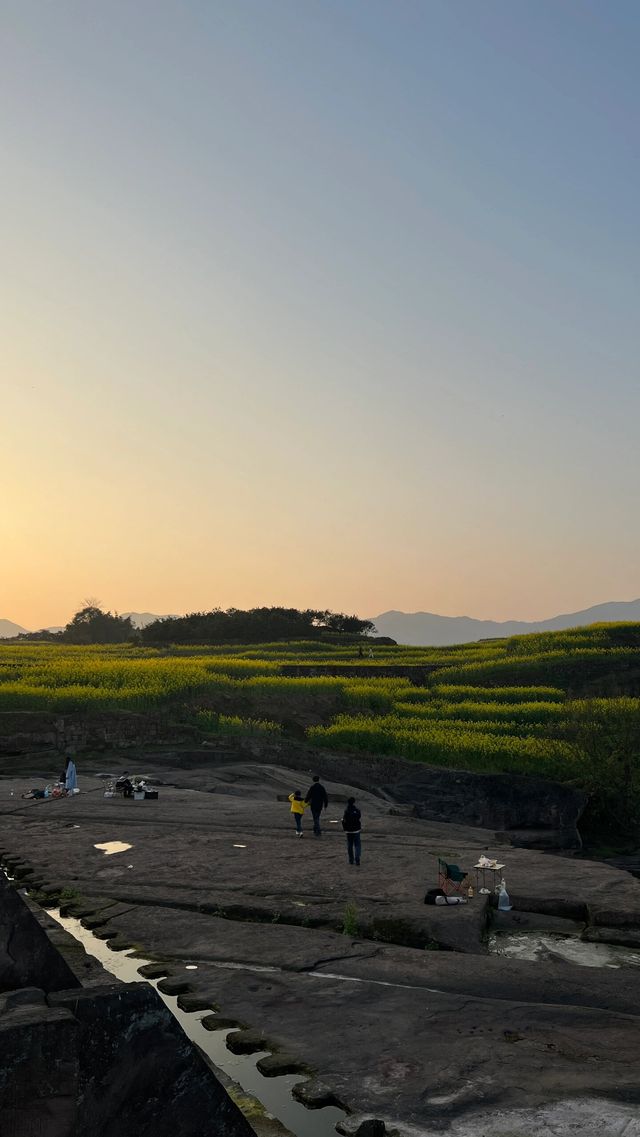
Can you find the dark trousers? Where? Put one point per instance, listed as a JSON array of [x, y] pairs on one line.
[[297, 817], [316, 822], [354, 846]]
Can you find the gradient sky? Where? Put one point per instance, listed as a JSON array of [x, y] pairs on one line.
[[319, 302]]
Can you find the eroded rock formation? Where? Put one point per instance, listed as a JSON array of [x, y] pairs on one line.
[[105, 1060]]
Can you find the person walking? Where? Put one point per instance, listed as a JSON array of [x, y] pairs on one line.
[[298, 807], [318, 799], [351, 823]]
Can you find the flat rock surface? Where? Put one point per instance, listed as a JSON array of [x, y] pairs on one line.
[[216, 876]]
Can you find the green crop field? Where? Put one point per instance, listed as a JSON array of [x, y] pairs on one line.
[[529, 704]]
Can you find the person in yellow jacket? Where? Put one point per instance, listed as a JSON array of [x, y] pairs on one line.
[[298, 806]]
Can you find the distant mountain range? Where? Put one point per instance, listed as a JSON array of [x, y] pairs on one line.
[[141, 619], [138, 619], [422, 629], [425, 629], [8, 629]]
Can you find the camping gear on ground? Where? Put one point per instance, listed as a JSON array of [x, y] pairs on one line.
[[141, 790], [71, 779], [439, 896], [484, 866], [504, 904], [451, 878]]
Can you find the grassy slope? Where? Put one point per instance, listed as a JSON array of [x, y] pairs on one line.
[[500, 705]]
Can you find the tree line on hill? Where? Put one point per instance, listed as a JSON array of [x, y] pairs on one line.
[[91, 625], [257, 625]]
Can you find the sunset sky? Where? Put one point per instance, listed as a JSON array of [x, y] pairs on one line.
[[327, 303]]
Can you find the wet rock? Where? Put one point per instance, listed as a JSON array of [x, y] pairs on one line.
[[274, 1065], [174, 986], [359, 1126], [221, 1022], [154, 970], [623, 937], [103, 932], [90, 921], [248, 1042], [191, 1003], [117, 942], [314, 1094]]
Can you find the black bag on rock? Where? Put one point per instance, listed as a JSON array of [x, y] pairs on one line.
[[430, 896]]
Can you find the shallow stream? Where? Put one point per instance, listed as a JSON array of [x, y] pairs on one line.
[[544, 946]]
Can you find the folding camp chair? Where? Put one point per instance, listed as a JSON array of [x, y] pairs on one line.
[[451, 878]]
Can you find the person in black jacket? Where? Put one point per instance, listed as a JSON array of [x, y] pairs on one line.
[[351, 824], [318, 800]]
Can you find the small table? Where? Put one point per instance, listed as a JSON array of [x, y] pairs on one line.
[[484, 869]]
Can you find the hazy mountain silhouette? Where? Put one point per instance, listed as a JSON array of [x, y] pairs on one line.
[[427, 629], [138, 619], [8, 629], [141, 619]]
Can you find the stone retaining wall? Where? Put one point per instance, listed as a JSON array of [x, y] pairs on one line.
[[25, 731], [94, 1061]]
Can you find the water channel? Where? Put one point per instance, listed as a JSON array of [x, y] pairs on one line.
[[274, 1094]]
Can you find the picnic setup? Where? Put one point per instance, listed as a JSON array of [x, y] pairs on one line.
[[134, 787], [455, 887]]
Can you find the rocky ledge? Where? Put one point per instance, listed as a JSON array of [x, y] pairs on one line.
[[396, 1010]]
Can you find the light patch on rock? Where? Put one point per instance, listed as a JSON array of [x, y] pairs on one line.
[[595, 1117], [111, 847]]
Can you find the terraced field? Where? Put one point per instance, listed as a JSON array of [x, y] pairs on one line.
[[561, 705]]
